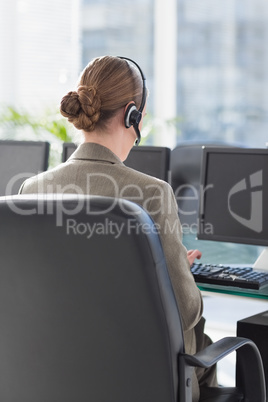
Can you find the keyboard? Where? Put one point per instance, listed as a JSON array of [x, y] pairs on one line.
[[242, 277]]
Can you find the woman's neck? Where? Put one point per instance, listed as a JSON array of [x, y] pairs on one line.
[[117, 140]]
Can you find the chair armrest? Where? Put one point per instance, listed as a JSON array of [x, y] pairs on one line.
[[249, 374], [216, 351]]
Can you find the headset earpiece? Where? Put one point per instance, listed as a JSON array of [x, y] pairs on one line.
[[132, 116]]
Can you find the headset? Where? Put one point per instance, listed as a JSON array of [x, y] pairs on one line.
[[133, 115]]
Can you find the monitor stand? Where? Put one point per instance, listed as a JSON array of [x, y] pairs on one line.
[[262, 260]]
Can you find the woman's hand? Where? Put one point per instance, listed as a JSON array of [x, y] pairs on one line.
[[192, 255]]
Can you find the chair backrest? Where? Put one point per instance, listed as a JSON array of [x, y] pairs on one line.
[[87, 311], [20, 160]]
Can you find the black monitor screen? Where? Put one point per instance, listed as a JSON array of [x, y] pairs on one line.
[[18, 161], [234, 195], [151, 160], [67, 149], [154, 161]]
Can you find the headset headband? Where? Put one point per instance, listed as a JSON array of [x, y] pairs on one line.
[[143, 99]]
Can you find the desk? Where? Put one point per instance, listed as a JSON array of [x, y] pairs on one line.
[[228, 290]]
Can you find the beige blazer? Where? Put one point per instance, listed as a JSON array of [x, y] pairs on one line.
[[95, 170]]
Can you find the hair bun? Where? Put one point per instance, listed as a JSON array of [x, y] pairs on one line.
[[82, 108], [70, 105]]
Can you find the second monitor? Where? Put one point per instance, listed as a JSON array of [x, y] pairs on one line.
[[154, 161], [20, 160], [233, 204]]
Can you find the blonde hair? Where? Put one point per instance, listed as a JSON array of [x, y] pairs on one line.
[[107, 84]]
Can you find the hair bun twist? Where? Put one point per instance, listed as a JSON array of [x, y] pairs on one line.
[[82, 108]]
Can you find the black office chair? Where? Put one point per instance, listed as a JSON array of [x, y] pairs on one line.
[[185, 166], [88, 314]]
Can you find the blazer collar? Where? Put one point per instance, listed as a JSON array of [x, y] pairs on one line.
[[95, 152]]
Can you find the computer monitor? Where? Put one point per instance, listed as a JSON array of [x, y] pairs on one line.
[[151, 160], [234, 197], [154, 161], [20, 160], [67, 149]]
